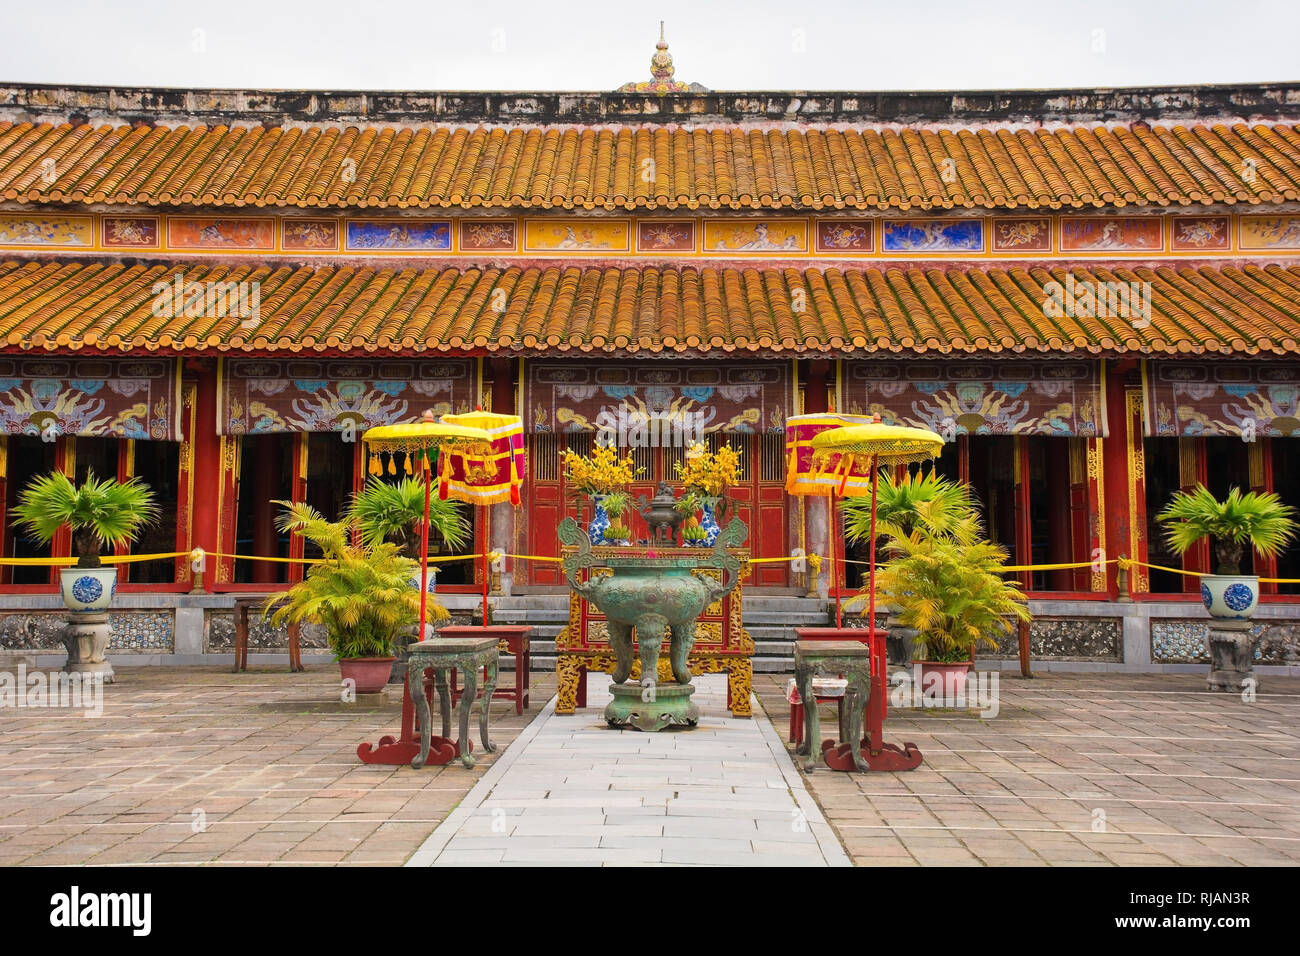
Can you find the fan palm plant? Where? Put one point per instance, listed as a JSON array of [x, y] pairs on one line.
[[361, 595], [928, 503], [99, 511], [395, 512], [952, 593], [1257, 519]]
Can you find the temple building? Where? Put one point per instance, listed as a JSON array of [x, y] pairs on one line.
[[1093, 296]]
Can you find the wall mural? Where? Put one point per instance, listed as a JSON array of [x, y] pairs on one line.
[[674, 403], [979, 398], [1216, 399], [267, 396], [1270, 232], [398, 235], [755, 236], [833, 237], [227, 233], [1112, 234], [36, 230], [117, 398], [933, 235]]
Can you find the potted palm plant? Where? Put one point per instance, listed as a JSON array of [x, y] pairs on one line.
[[360, 594], [99, 512], [1259, 520], [922, 503], [954, 595], [395, 512]]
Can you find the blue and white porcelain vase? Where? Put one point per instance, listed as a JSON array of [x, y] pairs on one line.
[[88, 589], [599, 521], [710, 526], [432, 587], [1230, 597]]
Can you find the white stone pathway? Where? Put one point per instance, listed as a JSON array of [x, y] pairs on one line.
[[571, 791]]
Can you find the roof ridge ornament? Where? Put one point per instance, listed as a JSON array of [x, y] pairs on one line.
[[661, 72]]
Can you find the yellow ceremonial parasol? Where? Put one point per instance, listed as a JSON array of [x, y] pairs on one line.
[[416, 439], [844, 457], [486, 476]]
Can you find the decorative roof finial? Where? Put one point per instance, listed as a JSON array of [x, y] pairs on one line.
[[661, 71]]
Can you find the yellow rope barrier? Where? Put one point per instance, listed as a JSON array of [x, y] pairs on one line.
[[1132, 562]]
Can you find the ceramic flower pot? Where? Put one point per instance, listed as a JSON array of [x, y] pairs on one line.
[[949, 680], [433, 579], [1230, 597], [88, 589], [369, 674]]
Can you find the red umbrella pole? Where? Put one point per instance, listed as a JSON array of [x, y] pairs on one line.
[[424, 549], [878, 662], [487, 545], [830, 534]]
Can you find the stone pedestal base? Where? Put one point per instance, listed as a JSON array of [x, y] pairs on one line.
[[651, 708], [86, 638], [1232, 656]]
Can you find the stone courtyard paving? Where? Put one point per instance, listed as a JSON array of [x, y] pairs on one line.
[[574, 792], [1076, 769], [266, 757], [1079, 770]]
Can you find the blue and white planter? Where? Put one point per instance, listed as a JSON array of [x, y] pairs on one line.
[[1230, 597], [599, 521], [433, 580], [88, 589]]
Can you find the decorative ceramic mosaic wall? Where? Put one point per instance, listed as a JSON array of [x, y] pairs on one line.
[[263, 637], [780, 236], [1178, 640], [143, 632], [1068, 639]]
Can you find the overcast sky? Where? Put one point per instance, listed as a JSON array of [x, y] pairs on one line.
[[593, 45]]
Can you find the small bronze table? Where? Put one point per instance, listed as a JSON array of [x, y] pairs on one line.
[[851, 659], [440, 655]]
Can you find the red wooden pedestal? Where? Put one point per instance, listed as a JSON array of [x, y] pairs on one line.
[[878, 754], [514, 637]]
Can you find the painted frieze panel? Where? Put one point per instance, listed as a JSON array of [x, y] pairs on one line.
[[675, 402], [398, 235], [217, 235], [980, 398], [755, 236], [130, 232], [70, 232], [665, 235], [310, 235], [1199, 234], [1269, 232], [488, 235], [933, 235], [578, 235], [118, 398], [264, 396], [1205, 399], [1022, 235], [848, 236], [1112, 234]]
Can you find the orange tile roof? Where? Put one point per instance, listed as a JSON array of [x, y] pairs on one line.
[[58, 305], [726, 167]]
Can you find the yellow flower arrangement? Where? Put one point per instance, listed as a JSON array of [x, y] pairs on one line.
[[709, 475], [600, 474]]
